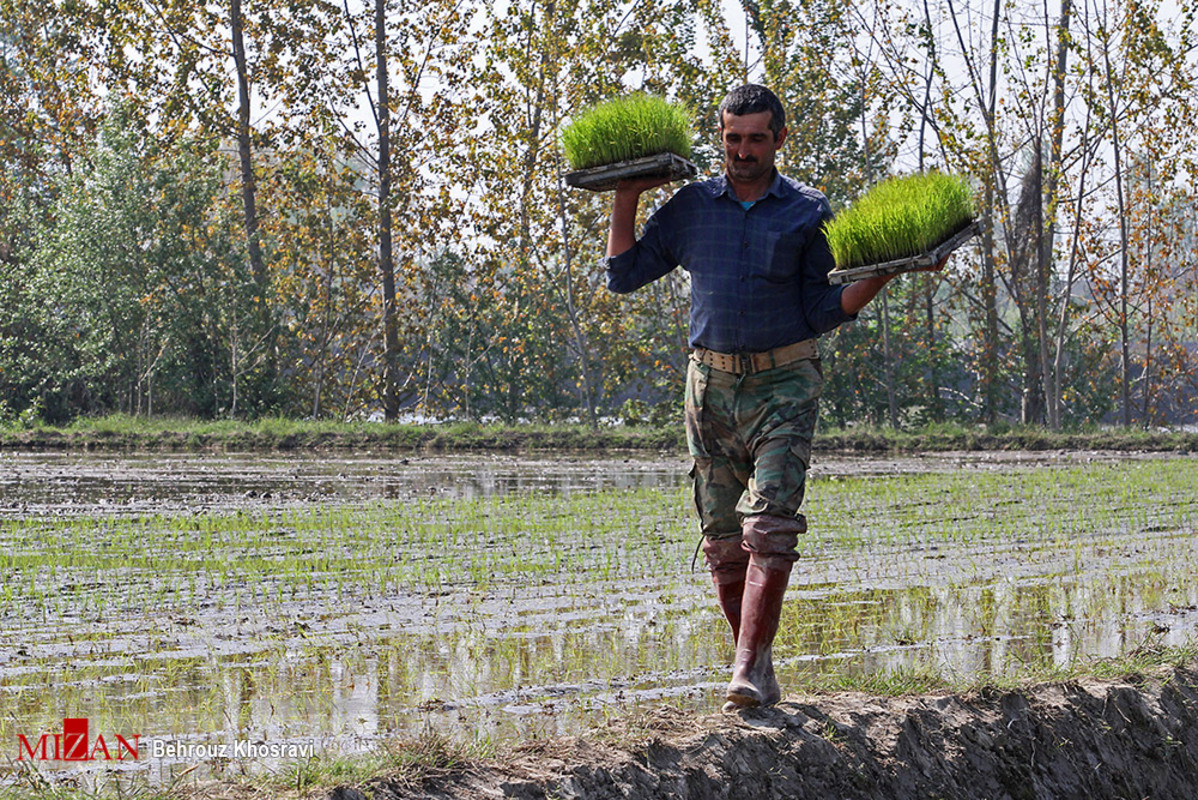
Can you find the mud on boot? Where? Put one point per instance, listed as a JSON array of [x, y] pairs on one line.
[[753, 681]]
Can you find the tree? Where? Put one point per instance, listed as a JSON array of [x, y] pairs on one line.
[[1138, 86], [140, 275]]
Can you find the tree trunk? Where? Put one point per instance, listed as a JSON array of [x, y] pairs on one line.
[[1124, 265], [994, 184], [1146, 377], [1071, 274], [1026, 237], [249, 187], [935, 407], [888, 357], [1052, 376], [386, 257], [991, 279], [580, 339]]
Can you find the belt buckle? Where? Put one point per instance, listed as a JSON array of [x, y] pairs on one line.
[[745, 362]]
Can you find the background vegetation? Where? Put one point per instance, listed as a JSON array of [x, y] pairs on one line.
[[333, 211]]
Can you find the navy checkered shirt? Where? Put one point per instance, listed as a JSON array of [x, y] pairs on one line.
[[758, 276]]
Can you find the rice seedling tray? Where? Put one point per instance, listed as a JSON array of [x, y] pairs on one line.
[[909, 264], [605, 178]]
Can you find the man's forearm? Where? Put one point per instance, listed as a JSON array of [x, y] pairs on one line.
[[858, 294], [622, 234]]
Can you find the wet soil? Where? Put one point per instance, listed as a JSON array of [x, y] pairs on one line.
[[48, 483], [1136, 737]]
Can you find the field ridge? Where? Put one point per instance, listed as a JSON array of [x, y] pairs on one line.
[[278, 435], [1133, 736]]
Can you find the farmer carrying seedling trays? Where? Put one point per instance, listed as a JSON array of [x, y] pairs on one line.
[[753, 242]]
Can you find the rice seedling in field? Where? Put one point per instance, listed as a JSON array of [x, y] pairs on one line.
[[628, 127], [300, 617], [900, 218]]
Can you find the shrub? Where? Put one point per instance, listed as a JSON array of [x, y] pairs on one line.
[[633, 126]]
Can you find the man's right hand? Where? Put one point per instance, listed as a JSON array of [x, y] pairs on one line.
[[641, 185]]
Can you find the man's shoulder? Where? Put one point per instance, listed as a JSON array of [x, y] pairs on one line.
[[694, 197], [705, 189], [802, 192]]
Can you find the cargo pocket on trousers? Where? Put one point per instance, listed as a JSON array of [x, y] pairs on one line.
[[696, 398], [701, 472]]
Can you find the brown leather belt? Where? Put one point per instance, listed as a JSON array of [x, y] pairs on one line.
[[750, 363]]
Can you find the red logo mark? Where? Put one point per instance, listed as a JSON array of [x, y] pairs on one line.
[[75, 744]]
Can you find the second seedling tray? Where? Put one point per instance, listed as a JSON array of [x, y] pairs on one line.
[[605, 178], [909, 264]]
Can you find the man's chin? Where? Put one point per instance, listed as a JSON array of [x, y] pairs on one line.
[[745, 172]]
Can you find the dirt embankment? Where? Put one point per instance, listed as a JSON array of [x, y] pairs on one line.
[[1134, 738], [156, 436]]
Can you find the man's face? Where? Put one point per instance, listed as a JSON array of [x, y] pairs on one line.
[[749, 145]]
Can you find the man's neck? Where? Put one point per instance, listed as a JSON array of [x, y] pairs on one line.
[[752, 191]]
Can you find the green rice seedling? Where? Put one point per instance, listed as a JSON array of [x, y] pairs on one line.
[[900, 218], [633, 126]]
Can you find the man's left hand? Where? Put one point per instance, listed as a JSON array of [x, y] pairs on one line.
[[937, 267]]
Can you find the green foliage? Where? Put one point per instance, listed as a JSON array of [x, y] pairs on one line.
[[928, 373], [900, 217], [628, 127], [150, 307], [124, 287]]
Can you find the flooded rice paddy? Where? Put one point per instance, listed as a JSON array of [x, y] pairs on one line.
[[282, 606]]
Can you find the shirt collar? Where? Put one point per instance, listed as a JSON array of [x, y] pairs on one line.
[[778, 187]]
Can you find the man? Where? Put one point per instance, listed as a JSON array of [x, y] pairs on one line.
[[753, 243]]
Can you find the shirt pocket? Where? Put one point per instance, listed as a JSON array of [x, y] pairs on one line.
[[781, 259]]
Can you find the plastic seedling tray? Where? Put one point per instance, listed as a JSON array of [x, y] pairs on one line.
[[605, 178], [909, 264]]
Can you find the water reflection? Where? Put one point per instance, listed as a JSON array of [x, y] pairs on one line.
[[474, 674], [39, 483]]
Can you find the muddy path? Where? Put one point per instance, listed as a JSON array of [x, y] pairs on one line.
[[1135, 737]]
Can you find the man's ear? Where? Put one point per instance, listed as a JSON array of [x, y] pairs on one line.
[[780, 137]]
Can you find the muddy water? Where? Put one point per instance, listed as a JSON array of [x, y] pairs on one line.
[[65, 483], [204, 674]]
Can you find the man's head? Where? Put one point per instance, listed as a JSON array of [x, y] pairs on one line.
[[753, 99], [752, 128]]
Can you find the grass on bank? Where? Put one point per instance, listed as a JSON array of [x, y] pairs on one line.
[[402, 764], [899, 218], [633, 126], [123, 432], [171, 434]]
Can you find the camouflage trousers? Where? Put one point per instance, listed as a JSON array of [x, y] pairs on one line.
[[750, 437]]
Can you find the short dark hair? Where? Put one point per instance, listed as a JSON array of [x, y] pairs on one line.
[[753, 99]]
